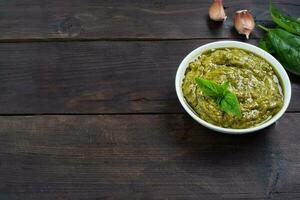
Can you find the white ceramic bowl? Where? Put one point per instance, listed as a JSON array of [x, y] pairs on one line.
[[241, 45]]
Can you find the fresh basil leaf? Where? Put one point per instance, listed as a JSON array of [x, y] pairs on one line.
[[225, 86], [209, 88], [288, 23], [287, 49], [219, 99], [230, 104], [226, 100], [285, 46], [265, 44], [262, 44]]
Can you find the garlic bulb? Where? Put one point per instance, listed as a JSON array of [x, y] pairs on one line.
[[216, 11], [244, 22]]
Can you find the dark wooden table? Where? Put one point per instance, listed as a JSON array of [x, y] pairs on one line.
[[89, 110]]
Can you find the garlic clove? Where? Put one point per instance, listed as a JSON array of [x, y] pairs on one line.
[[244, 22], [216, 11]]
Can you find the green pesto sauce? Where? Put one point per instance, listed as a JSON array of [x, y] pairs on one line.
[[250, 77]]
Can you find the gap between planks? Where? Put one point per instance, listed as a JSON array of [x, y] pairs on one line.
[[37, 40], [103, 114]]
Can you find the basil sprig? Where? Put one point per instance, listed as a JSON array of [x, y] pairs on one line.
[[283, 41], [290, 24], [284, 45], [226, 100]]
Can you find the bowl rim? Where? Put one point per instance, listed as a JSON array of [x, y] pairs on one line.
[[286, 84]]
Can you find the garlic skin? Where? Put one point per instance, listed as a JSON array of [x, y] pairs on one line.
[[244, 22], [216, 11]]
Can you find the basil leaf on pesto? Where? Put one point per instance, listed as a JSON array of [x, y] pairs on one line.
[[230, 104], [226, 99], [209, 88]]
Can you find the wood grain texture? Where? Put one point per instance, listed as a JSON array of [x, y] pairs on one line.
[[145, 157], [95, 77], [143, 152], [109, 19]]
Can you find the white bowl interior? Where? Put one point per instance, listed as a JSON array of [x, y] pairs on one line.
[[232, 44]]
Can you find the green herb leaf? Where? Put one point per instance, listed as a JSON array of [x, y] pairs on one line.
[[286, 48], [230, 104], [265, 44], [209, 88], [288, 23], [226, 99], [225, 86]]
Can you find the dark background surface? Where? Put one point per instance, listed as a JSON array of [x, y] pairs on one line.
[[89, 110]]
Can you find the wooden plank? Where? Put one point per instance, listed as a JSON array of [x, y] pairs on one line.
[[145, 157], [95, 77], [93, 19]]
